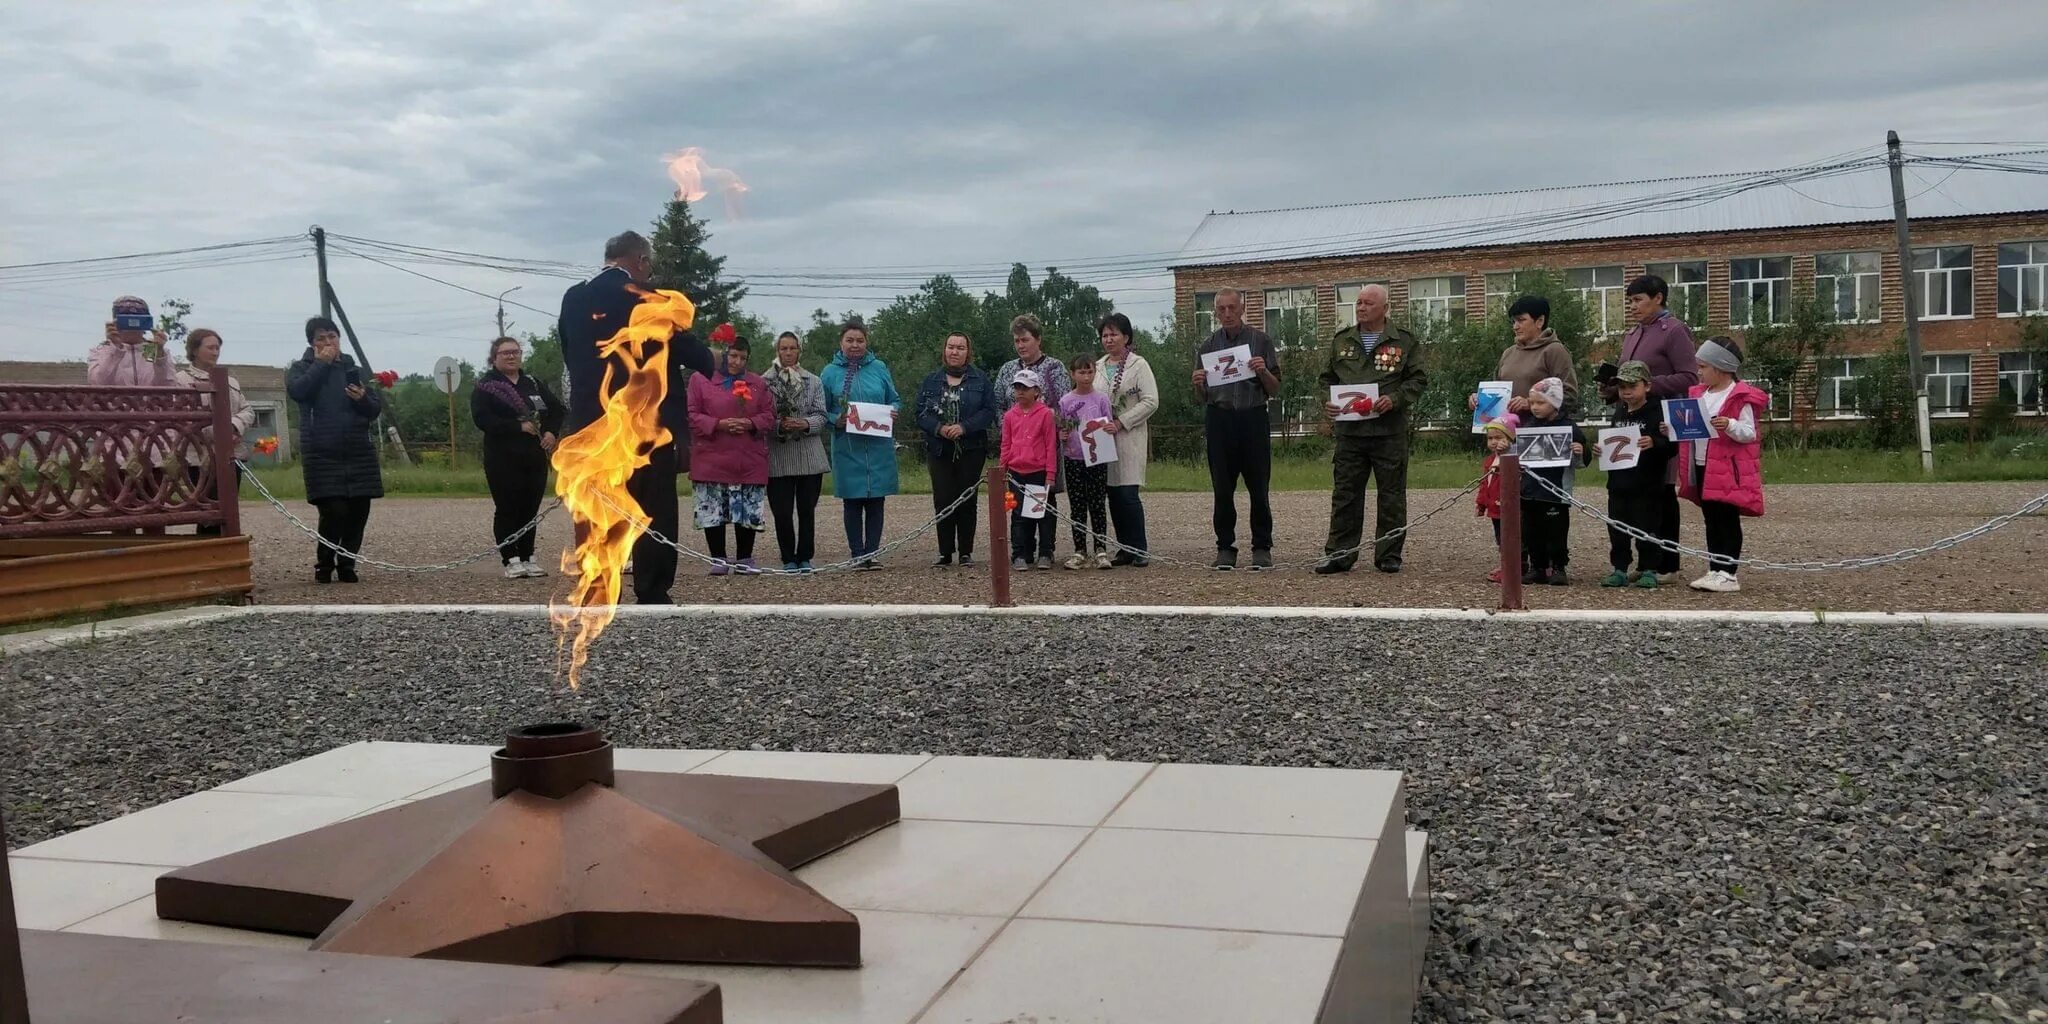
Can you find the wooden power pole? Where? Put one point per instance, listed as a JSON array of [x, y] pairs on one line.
[[1919, 371]]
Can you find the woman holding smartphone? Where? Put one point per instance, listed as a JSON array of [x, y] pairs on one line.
[[337, 446]]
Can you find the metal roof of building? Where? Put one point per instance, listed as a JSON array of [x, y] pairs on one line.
[[1797, 197]]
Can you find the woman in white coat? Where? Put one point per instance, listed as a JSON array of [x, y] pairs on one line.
[[1133, 397]]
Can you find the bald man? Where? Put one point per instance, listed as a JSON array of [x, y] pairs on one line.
[[1370, 351]]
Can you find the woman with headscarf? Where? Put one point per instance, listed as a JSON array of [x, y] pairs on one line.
[[863, 465], [520, 417], [202, 354], [731, 416], [796, 453]]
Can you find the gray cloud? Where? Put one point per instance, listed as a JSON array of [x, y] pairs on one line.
[[882, 134]]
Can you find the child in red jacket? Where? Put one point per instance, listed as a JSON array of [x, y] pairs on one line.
[[1030, 444]]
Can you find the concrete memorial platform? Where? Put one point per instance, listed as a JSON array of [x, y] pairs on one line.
[[1012, 889]]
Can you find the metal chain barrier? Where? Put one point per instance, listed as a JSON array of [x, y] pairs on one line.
[[1065, 518], [843, 565], [466, 560], [1858, 562]]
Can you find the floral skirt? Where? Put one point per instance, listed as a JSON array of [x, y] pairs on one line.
[[738, 504]]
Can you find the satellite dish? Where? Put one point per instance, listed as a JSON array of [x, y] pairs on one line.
[[447, 374]]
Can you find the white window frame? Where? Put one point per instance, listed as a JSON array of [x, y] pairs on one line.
[[1777, 291], [2036, 371], [1862, 284], [1448, 306], [1924, 281], [1293, 303], [1205, 319], [1347, 301], [1676, 291], [1938, 396], [1604, 299], [1838, 373], [1498, 301], [2035, 266]]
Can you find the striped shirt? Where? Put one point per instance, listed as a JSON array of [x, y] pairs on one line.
[[1369, 341]]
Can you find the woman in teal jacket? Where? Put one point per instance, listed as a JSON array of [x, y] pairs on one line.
[[863, 465]]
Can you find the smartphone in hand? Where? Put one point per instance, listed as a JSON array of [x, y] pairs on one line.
[[355, 377]]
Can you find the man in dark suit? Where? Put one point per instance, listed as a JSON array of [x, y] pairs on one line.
[[592, 312]]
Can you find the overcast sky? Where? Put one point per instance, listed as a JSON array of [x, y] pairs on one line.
[[909, 135]]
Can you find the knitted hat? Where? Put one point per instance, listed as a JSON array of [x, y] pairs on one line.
[[129, 305], [1551, 390], [1720, 356], [1635, 371]]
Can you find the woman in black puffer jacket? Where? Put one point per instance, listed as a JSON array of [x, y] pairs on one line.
[[338, 411]]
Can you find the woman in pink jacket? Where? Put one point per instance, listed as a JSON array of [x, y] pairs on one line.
[[1724, 474], [732, 414]]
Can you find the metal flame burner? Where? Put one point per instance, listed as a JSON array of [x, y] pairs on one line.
[[558, 856]]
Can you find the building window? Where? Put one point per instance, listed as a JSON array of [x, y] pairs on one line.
[[1437, 298], [1941, 279], [1757, 290], [1948, 383], [1600, 289], [1205, 313], [1347, 302], [1835, 387], [2019, 380], [1688, 284], [1502, 289], [1847, 283], [1291, 316], [2023, 279]]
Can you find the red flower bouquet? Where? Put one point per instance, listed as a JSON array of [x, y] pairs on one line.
[[387, 378]]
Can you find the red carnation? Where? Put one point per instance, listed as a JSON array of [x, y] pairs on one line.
[[742, 392], [388, 378], [723, 334]]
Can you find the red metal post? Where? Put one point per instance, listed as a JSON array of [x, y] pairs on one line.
[[999, 537], [1508, 471], [13, 983], [227, 486]]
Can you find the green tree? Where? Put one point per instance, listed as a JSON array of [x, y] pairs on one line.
[[170, 317], [1884, 395], [682, 263], [910, 333], [544, 360], [1459, 355], [1773, 354]]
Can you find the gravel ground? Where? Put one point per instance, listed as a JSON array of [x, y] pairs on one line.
[[1710, 822], [1447, 559]]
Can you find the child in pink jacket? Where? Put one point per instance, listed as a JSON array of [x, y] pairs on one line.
[[1030, 444], [1724, 474]]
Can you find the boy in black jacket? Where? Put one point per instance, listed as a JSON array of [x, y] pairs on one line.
[[1547, 518], [1635, 494]]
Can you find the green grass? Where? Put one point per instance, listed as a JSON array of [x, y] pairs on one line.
[[1953, 464]]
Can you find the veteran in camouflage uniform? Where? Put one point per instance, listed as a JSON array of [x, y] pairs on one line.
[[1372, 351]]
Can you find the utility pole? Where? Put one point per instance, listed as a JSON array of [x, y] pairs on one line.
[[1905, 234], [320, 258], [501, 313]]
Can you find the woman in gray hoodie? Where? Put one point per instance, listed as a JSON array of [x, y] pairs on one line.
[[796, 453]]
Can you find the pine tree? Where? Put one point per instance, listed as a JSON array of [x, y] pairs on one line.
[[682, 264]]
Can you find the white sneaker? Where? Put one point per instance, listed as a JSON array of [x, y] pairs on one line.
[[1077, 561], [1102, 559], [1718, 582], [533, 568], [515, 570]]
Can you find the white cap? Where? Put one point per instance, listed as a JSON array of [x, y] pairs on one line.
[[1027, 379]]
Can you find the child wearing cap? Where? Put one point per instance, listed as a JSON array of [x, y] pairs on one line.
[[1635, 494], [1546, 517], [1724, 474], [1030, 444]]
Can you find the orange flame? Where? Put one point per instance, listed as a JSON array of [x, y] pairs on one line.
[[691, 175], [593, 464]]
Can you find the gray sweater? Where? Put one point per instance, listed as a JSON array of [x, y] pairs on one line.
[[802, 454]]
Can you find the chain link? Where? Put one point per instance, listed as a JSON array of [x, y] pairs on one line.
[[531, 525], [1857, 562], [1054, 511], [844, 565]]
